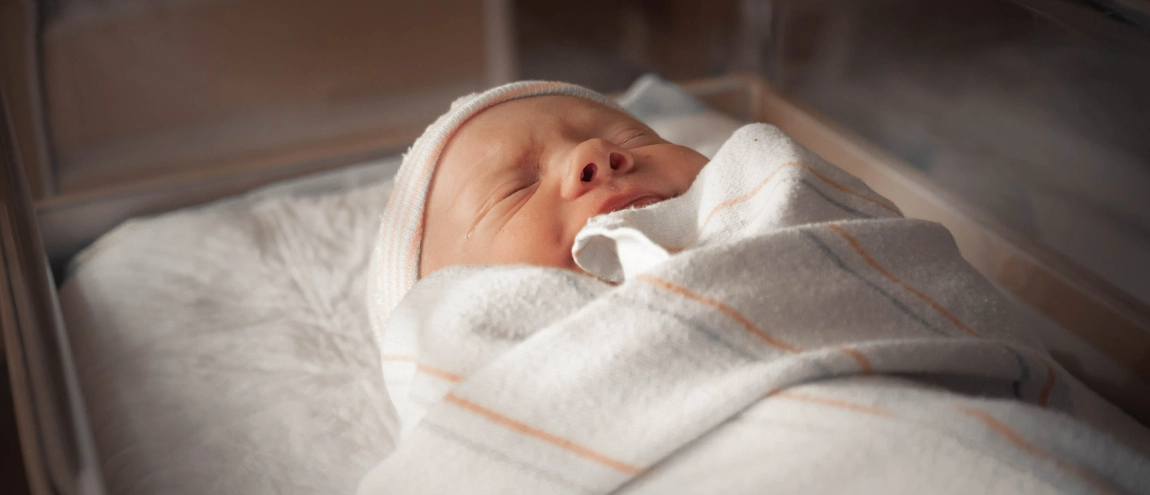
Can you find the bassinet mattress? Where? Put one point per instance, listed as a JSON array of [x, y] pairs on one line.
[[226, 348]]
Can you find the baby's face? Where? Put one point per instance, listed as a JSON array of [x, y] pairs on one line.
[[519, 180]]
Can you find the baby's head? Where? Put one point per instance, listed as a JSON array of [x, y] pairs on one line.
[[511, 175], [519, 180]]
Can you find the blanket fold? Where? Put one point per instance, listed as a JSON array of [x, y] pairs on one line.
[[777, 291]]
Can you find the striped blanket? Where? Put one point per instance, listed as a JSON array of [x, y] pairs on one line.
[[778, 328]]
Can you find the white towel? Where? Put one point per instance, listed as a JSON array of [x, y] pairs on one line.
[[779, 327]]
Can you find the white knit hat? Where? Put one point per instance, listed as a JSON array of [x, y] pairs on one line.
[[395, 260]]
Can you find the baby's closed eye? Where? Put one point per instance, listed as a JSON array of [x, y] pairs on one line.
[[638, 138], [632, 136], [521, 187]]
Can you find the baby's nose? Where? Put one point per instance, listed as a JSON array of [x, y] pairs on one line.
[[593, 163], [615, 161]]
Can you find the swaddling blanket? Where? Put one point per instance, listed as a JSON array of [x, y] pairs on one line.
[[780, 326]]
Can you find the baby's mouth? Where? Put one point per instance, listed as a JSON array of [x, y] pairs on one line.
[[641, 202], [622, 203]]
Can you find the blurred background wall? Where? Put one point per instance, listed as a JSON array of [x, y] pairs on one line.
[[1034, 110]]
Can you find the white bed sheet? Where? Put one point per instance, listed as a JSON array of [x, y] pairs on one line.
[[226, 349]]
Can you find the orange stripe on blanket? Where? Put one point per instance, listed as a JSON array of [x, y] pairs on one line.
[[1002, 429], [836, 403], [727, 310], [1015, 438], [843, 188], [421, 367], [542, 435], [729, 203], [854, 243], [754, 191], [860, 358], [438, 373]]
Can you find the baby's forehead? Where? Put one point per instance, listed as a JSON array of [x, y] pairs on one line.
[[551, 109]]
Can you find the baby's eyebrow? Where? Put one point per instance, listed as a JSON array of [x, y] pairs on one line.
[[528, 159]]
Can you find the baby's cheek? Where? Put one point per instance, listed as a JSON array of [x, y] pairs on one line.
[[693, 158], [531, 242]]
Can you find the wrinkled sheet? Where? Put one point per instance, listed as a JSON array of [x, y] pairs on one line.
[[779, 328], [226, 349]]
